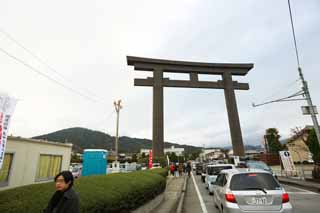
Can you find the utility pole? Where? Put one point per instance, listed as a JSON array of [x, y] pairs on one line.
[[311, 107], [118, 107], [305, 88]]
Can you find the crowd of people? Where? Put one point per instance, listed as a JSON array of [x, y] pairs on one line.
[[178, 169]]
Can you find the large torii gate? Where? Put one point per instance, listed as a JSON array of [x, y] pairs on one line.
[[159, 66]]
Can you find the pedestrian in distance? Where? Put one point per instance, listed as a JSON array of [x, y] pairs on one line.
[[64, 200], [188, 169], [176, 170], [172, 168], [180, 169]]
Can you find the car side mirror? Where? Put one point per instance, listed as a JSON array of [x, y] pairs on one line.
[[214, 182]]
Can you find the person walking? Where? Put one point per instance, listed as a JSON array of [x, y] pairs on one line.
[[64, 200], [180, 169], [172, 168], [188, 169]]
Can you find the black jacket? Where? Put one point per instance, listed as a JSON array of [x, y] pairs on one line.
[[69, 203]]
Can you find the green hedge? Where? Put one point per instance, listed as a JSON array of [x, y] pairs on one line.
[[119, 192]]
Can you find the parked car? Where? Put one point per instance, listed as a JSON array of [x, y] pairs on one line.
[[198, 169], [156, 165], [212, 173], [249, 190], [76, 171]]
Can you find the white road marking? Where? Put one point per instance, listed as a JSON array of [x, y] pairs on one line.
[[302, 191], [203, 206]]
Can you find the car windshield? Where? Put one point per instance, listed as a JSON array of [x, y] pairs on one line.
[[258, 165], [75, 169], [249, 181], [216, 170]]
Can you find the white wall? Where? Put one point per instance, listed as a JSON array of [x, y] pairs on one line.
[[26, 154]]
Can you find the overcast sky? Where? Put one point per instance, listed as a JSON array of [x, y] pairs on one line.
[[87, 43]]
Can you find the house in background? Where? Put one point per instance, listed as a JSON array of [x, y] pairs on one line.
[[211, 154], [298, 147], [29, 161]]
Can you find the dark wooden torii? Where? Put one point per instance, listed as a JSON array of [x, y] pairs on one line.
[[159, 66]]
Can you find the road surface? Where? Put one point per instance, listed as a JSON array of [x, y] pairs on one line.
[[198, 200]]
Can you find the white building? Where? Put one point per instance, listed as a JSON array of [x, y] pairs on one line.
[[29, 161], [172, 149], [212, 154], [145, 151]]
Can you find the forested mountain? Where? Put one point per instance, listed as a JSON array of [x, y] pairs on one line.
[[82, 138]]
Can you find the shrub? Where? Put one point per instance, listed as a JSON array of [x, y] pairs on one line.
[[161, 171], [119, 192]]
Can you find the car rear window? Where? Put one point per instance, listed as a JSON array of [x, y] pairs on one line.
[[216, 170], [249, 181]]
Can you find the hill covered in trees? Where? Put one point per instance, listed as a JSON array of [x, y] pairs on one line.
[[82, 138]]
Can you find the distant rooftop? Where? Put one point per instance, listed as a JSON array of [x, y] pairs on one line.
[[18, 138]]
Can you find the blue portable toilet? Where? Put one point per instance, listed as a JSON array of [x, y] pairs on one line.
[[94, 162]]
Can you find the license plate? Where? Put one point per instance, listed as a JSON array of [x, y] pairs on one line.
[[259, 201]]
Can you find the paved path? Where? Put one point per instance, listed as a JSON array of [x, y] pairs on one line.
[[172, 195]]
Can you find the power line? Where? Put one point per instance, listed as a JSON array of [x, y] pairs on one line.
[[294, 34], [280, 89], [47, 76], [41, 60]]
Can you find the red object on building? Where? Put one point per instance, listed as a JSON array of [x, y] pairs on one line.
[[270, 159], [150, 159]]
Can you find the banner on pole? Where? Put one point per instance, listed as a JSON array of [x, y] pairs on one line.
[[150, 159], [7, 106]]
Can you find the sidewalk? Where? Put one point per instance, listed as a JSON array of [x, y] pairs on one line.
[[305, 184], [171, 195]]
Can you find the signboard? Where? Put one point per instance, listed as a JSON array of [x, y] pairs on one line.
[[150, 159], [306, 110], [287, 161], [236, 160], [7, 106]]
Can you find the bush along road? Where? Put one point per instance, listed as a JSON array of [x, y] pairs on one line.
[[119, 192]]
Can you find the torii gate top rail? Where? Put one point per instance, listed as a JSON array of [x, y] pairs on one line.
[[149, 64]]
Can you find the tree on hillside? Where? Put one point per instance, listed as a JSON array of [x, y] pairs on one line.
[[272, 138]]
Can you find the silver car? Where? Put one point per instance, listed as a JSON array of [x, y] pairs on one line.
[[212, 174], [249, 190]]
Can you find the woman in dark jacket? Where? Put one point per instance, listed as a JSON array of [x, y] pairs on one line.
[[64, 199]]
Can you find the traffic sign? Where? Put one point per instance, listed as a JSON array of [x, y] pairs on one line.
[[287, 161]]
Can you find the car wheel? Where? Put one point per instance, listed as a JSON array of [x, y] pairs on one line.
[[210, 193]]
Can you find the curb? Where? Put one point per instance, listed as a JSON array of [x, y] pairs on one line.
[[299, 184], [183, 192], [151, 205]]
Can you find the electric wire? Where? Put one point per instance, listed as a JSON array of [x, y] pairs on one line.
[[10, 37], [47, 76]]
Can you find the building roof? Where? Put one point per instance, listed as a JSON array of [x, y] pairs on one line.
[[40, 141]]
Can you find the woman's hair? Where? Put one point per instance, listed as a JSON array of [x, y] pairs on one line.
[[68, 177]]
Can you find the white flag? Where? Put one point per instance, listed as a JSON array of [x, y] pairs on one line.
[[7, 106]]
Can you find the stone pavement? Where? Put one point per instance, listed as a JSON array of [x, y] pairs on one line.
[[171, 195]]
